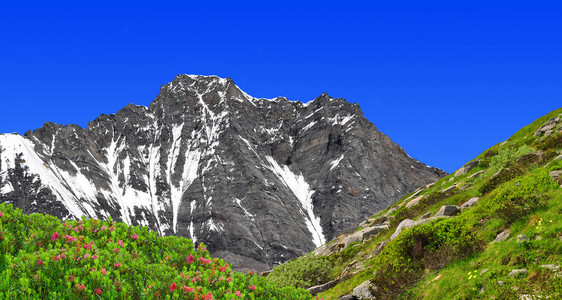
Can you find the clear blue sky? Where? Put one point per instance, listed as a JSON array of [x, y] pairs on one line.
[[444, 79]]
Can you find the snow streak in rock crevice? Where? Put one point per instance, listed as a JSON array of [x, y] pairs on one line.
[[301, 190]]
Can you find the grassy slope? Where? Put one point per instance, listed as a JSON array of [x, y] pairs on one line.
[[446, 258]]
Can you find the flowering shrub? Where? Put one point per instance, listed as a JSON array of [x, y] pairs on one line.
[[42, 258]]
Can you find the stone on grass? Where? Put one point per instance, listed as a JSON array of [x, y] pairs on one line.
[[553, 267], [414, 201], [502, 236], [469, 203], [407, 223], [556, 175], [517, 272], [467, 167], [522, 238], [448, 210], [363, 291]]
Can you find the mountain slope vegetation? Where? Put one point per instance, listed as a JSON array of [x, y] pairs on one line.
[[491, 230], [44, 258]]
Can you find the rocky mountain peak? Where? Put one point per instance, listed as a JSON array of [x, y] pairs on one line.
[[260, 181]]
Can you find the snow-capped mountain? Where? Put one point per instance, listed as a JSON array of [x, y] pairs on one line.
[[259, 181]]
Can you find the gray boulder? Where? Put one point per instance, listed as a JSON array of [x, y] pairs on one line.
[[522, 238], [403, 225], [548, 126], [517, 272], [363, 234], [363, 291], [448, 211], [556, 175], [467, 167], [475, 175], [469, 203], [502, 236]]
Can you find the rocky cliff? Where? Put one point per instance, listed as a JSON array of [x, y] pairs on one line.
[[259, 181]]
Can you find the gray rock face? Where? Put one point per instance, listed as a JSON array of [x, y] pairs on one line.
[[259, 181]]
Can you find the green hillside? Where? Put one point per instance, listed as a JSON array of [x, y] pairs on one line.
[[505, 243]]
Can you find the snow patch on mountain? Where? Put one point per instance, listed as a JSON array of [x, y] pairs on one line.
[[302, 191]]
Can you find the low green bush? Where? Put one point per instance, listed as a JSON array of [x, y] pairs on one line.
[[304, 272], [553, 141], [42, 258], [500, 177], [506, 155], [518, 197], [426, 246]]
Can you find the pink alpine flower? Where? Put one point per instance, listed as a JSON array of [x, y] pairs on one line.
[[88, 246], [252, 287], [86, 255], [117, 265], [229, 279], [103, 271], [40, 262], [189, 259], [209, 296], [120, 243], [103, 228], [80, 287], [116, 250], [223, 268], [135, 236], [98, 291], [1, 214], [55, 236], [69, 238], [187, 289], [204, 261], [173, 287], [94, 256], [111, 228], [238, 294]]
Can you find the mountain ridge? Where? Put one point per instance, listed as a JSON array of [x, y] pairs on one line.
[[259, 181]]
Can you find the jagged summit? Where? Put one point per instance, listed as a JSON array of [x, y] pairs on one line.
[[259, 181]]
